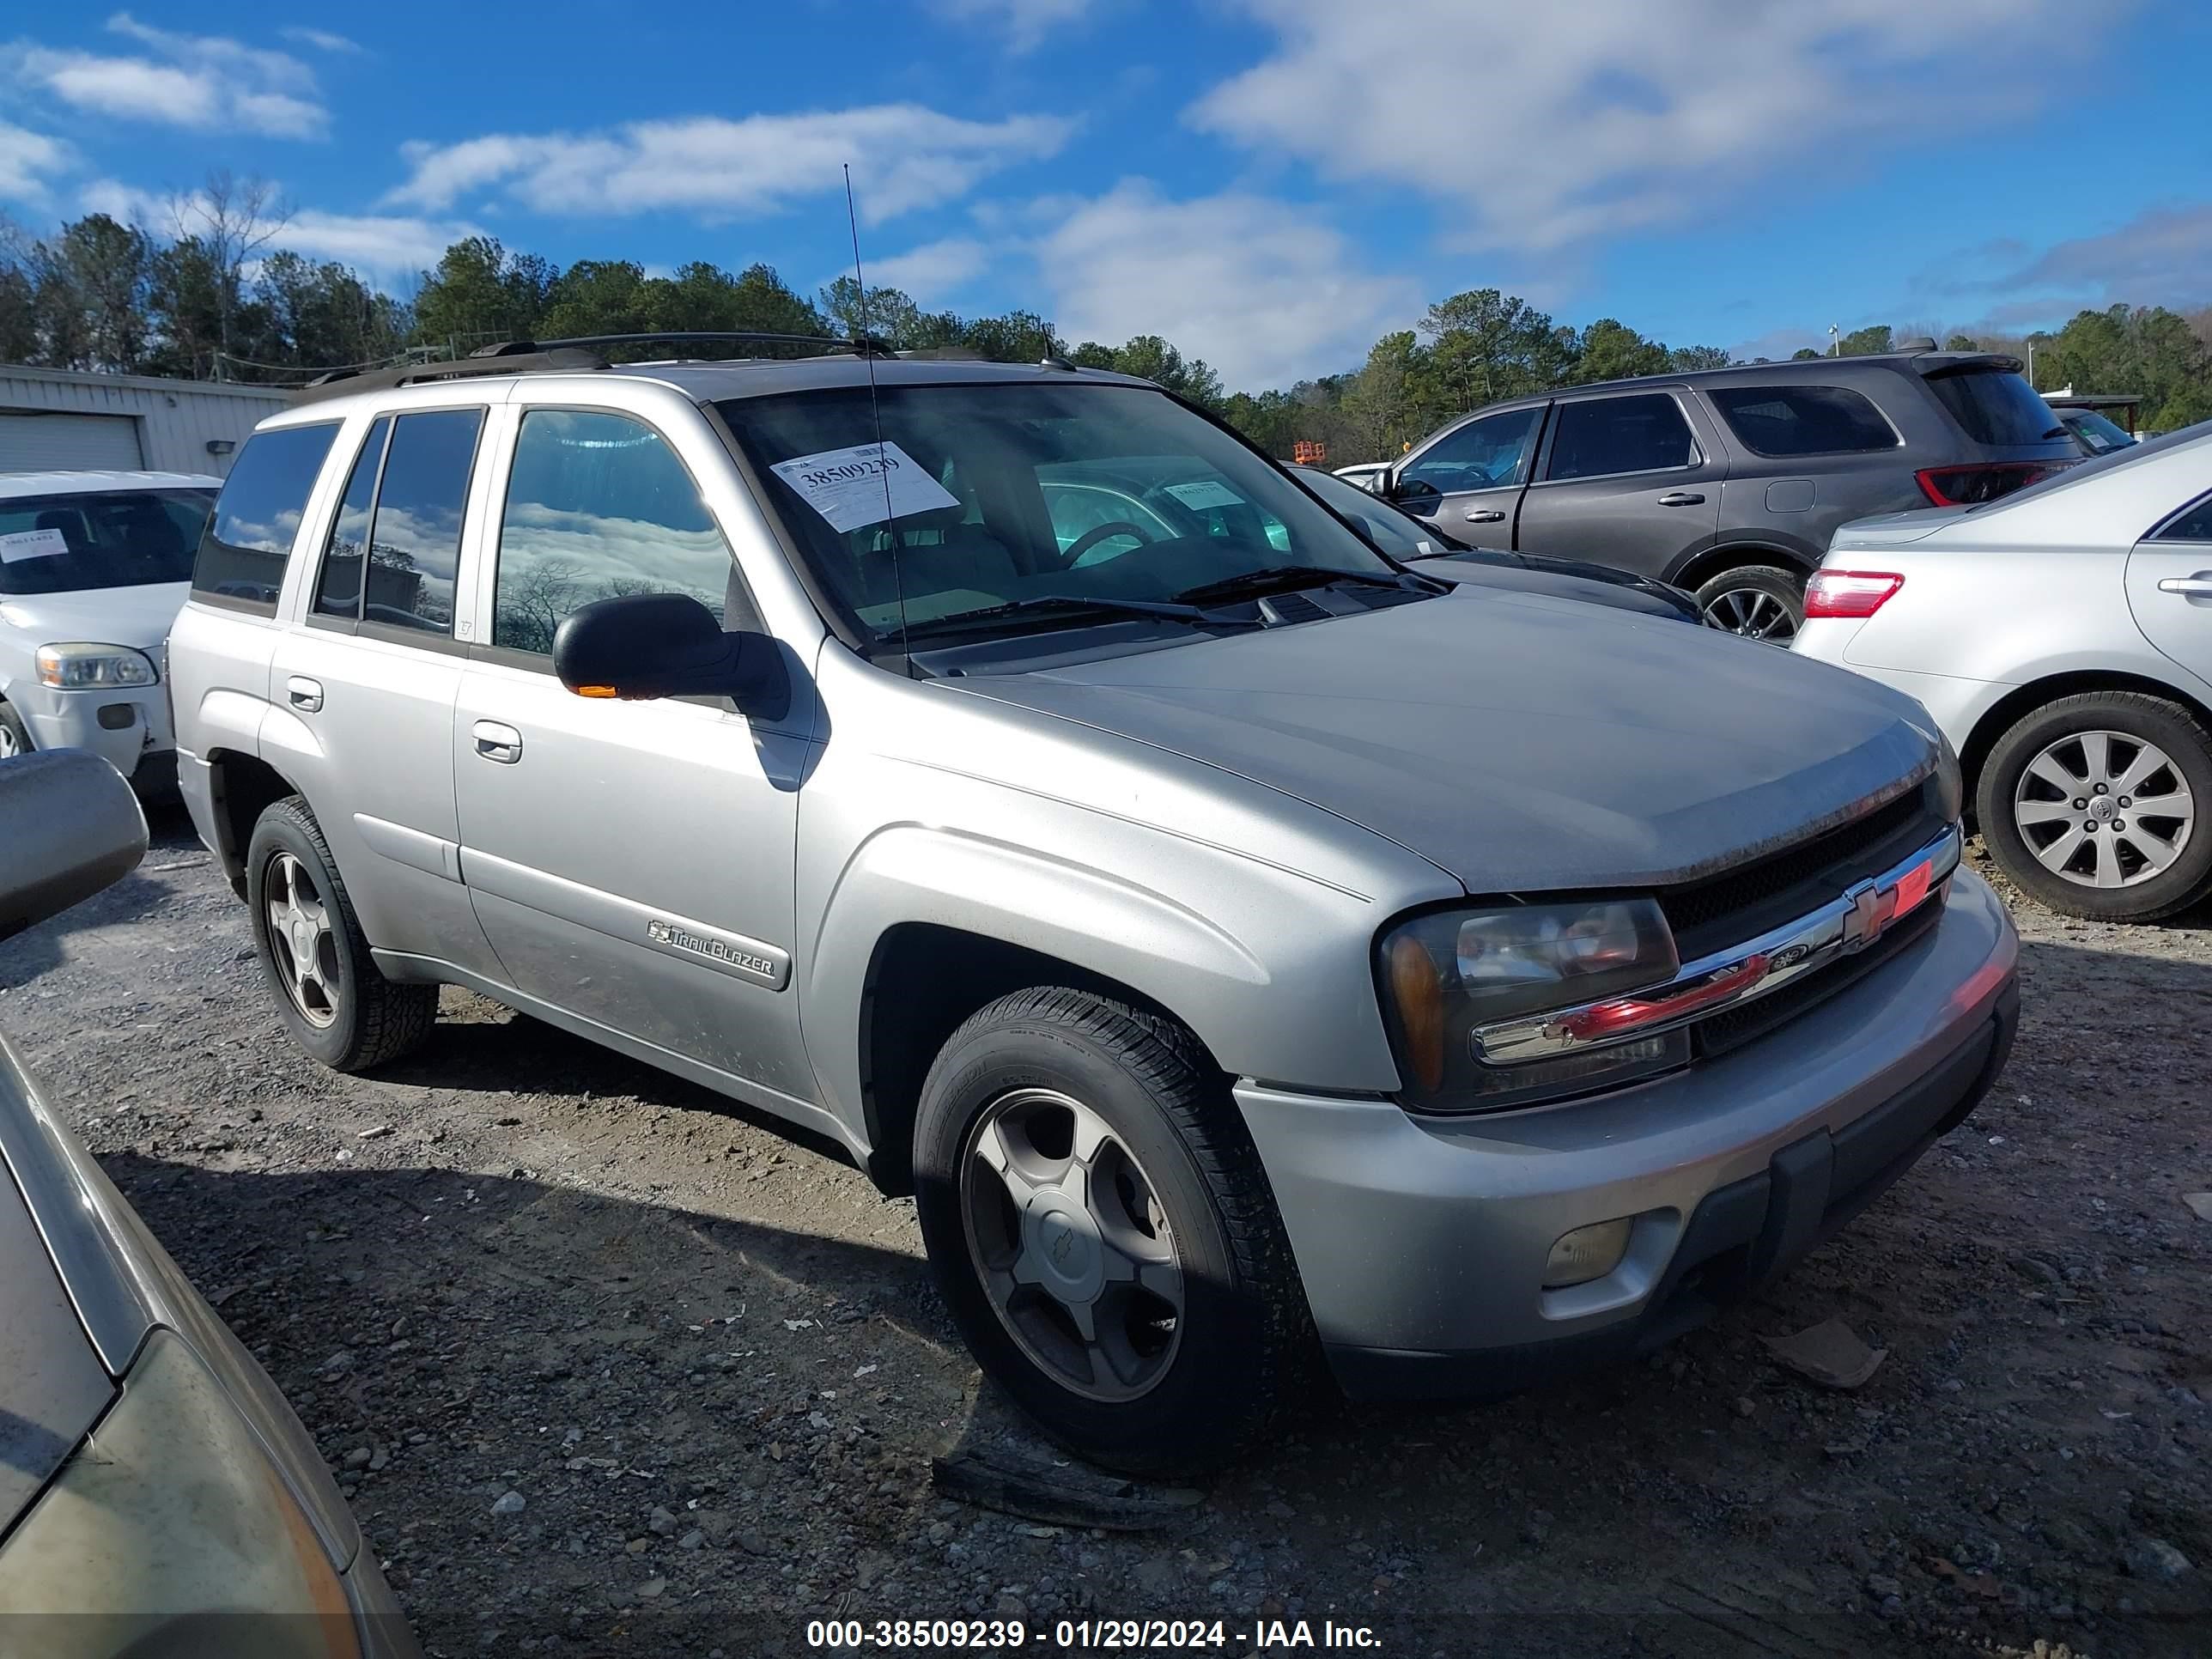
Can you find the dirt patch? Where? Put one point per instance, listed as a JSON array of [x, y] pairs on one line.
[[607, 1365]]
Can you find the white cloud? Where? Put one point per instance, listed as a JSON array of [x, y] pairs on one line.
[[380, 246], [1266, 292], [1543, 127], [1024, 23], [2163, 255], [321, 39], [933, 271], [26, 159], [904, 157], [198, 81]]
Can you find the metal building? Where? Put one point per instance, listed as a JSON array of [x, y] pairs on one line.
[[62, 419]]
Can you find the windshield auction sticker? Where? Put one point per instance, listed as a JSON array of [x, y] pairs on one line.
[[864, 485], [33, 544]]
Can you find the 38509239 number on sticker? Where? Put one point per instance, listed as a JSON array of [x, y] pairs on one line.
[[863, 484]]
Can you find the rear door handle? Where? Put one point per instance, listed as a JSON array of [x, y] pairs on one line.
[[2199, 586], [1485, 516], [498, 742], [304, 694], [1681, 498]]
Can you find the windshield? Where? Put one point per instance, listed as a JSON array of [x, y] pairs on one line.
[[2099, 435], [107, 538], [990, 496], [1397, 533]]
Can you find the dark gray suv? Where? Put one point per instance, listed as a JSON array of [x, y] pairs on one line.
[[1729, 483]]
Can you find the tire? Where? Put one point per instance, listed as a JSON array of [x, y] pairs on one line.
[[2061, 867], [358, 1020], [1757, 601], [15, 739], [1200, 1386]]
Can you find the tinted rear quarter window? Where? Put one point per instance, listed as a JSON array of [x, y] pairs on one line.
[[250, 536], [414, 547], [1802, 420], [2192, 523], [1996, 407]]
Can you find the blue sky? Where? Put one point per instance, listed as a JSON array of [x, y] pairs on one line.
[[1271, 185]]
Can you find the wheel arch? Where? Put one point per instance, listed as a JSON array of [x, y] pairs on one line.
[[243, 787], [924, 979], [2016, 704], [1700, 567]]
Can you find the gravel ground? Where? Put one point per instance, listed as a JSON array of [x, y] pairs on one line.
[[607, 1365]]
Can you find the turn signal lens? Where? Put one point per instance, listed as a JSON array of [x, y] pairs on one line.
[[1848, 593], [1420, 995], [596, 691]]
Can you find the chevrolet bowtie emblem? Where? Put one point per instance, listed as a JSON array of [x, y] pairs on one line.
[[1869, 914]]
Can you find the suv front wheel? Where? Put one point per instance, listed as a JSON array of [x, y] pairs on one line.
[[340, 1006], [1100, 1226]]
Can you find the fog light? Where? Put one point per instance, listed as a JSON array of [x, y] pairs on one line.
[[1586, 1252], [117, 716]]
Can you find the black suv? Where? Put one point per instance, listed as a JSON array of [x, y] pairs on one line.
[[1730, 482]]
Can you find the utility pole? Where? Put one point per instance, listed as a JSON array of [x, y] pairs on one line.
[[1835, 341]]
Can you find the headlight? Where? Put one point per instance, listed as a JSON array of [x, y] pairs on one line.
[[1446, 972], [170, 1531], [77, 666]]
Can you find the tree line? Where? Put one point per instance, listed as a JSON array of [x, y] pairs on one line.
[[216, 296]]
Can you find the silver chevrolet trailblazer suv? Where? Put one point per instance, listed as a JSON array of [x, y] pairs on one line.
[[1231, 937]]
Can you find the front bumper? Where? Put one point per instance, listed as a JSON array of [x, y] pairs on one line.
[[128, 727], [1422, 1241]]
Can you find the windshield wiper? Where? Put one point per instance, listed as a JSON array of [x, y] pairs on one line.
[[1279, 579], [1074, 604]]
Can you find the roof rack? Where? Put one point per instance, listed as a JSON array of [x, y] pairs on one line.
[[503, 358], [581, 352]]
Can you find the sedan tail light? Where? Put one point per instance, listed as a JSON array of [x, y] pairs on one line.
[[1972, 485], [1848, 593]]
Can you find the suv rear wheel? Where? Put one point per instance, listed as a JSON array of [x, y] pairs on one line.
[[340, 1006], [1758, 601], [1099, 1224], [2099, 804]]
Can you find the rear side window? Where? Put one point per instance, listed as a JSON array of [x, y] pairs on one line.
[[242, 554], [598, 506], [2192, 523], [1802, 420], [395, 550], [1645, 433], [1996, 407]]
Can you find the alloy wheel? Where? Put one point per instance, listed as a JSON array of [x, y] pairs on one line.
[[1068, 1234], [1754, 613], [2103, 809], [301, 941]]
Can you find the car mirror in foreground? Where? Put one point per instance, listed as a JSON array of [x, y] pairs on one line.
[[70, 826], [644, 645]]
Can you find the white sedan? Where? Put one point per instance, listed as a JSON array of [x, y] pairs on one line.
[[2062, 637], [93, 568]]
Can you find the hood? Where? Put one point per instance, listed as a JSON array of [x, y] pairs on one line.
[[1519, 742], [1565, 579], [1895, 529], [140, 617]]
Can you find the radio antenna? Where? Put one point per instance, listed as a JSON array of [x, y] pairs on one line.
[[867, 347]]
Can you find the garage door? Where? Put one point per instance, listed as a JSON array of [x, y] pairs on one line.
[[67, 443]]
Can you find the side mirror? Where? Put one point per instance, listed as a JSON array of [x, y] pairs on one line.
[[644, 645], [70, 826], [1386, 484]]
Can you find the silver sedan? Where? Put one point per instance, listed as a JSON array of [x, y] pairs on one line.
[[2062, 637]]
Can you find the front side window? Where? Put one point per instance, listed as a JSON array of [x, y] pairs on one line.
[[1486, 454], [108, 538], [1175, 505], [250, 535], [1802, 420], [598, 506], [1645, 433]]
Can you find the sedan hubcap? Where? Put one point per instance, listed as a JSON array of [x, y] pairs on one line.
[[302, 942], [1754, 613], [2103, 809], [7, 744], [1070, 1242]]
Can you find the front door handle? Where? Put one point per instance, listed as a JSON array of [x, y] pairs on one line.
[[1681, 498], [498, 742], [2199, 586], [1485, 516], [304, 694]]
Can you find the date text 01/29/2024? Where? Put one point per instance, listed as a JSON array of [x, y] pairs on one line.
[[1095, 1635]]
